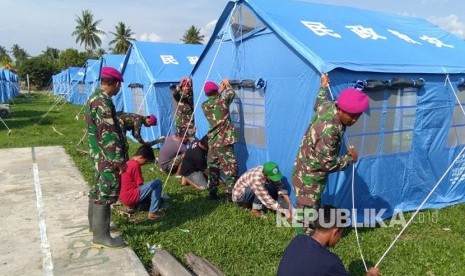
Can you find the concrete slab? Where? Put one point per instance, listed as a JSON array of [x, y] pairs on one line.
[[43, 211]]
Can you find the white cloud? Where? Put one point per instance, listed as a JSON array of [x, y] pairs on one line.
[[153, 37], [103, 37], [450, 23], [208, 30]]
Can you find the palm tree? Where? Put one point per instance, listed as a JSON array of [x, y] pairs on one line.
[[87, 32], [6, 62], [5, 59], [123, 38], [3, 52], [100, 52], [51, 53], [192, 36], [19, 54]]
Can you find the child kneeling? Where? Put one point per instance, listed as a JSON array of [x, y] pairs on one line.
[[134, 192]]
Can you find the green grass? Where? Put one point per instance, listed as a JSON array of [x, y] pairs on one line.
[[227, 235]]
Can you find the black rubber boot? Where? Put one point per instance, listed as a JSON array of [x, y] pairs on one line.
[[90, 214], [101, 229], [213, 178], [213, 194], [228, 192]]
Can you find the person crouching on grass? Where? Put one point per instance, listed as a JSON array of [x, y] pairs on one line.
[[134, 192], [262, 185], [309, 255]]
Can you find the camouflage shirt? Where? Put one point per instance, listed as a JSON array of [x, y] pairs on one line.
[[132, 122], [216, 109], [185, 110], [318, 153], [103, 129]]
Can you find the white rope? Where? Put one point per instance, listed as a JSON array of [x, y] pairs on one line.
[[418, 209], [434, 188], [198, 99], [9, 130], [58, 100], [354, 213]]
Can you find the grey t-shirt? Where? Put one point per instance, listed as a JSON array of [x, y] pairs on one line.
[[168, 151]]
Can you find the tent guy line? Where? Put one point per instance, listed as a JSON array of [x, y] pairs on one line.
[[196, 104]]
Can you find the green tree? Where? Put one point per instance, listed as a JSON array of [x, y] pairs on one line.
[[123, 38], [86, 31], [6, 62], [51, 53], [5, 59], [3, 52], [19, 54], [100, 52], [192, 36], [72, 57], [39, 69]]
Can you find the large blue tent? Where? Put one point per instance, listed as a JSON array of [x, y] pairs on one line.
[[275, 50], [148, 70], [115, 61]]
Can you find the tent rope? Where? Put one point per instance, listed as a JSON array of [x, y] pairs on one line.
[[421, 205], [68, 93], [447, 80], [198, 99], [354, 213]]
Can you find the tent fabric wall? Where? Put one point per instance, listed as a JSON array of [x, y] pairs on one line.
[[9, 85], [3, 87], [290, 57], [76, 84], [91, 80], [115, 61], [152, 67]]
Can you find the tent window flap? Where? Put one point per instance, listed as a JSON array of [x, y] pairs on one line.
[[248, 116], [388, 125]]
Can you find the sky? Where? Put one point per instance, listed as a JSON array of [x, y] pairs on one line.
[[37, 24]]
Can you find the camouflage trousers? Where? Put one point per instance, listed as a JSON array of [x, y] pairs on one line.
[[125, 145], [221, 158], [307, 193], [106, 184]]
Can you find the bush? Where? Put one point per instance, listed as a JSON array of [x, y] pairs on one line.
[[39, 69]]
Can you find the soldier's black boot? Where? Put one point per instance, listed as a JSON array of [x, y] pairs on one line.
[[101, 229], [228, 192], [90, 214], [213, 194], [213, 177]]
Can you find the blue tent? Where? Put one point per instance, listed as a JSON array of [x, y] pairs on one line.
[[59, 82], [3, 87], [115, 61], [407, 66], [76, 86], [91, 78], [9, 85], [148, 70], [14, 84]]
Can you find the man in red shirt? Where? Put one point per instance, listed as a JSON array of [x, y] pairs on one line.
[[134, 192]]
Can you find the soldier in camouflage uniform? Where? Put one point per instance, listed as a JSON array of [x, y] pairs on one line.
[[221, 136], [183, 118], [318, 154], [107, 153], [134, 122]]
